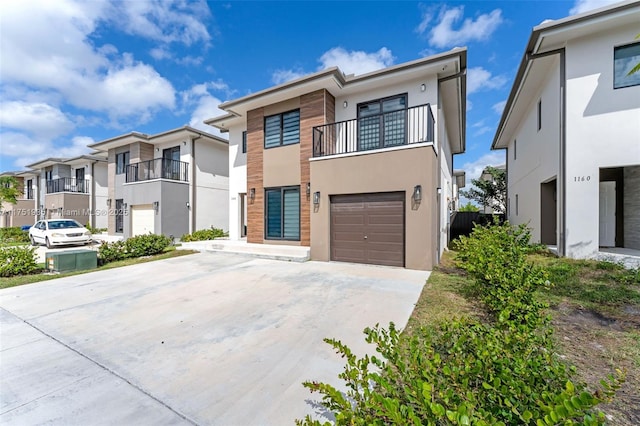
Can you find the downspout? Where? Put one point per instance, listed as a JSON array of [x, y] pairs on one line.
[[562, 244], [192, 192], [92, 213]]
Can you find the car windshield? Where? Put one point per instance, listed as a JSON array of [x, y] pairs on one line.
[[63, 224]]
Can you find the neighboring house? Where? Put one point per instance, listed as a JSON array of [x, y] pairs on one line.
[[24, 211], [71, 188], [571, 128], [170, 183], [458, 183], [486, 176], [359, 168]]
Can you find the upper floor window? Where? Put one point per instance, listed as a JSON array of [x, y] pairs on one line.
[[282, 129], [382, 123], [625, 58], [244, 142], [122, 161], [48, 175]]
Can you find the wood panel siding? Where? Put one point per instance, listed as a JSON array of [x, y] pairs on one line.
[[255, 148]]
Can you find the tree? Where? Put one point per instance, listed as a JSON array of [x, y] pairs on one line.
[[9, 190], [469, 207], [490, 192]]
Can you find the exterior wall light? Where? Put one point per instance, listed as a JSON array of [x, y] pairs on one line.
[[108, 202], [252, 194], [316, 198], [423, 87], [417, 193], [188, 205], [124, 206], [308, 189], [439, 190], [156, 206], [345, 104]]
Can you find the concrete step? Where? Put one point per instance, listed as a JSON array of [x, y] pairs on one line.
[[264, 251]]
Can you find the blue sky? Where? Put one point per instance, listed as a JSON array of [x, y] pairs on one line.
[[75, 72]]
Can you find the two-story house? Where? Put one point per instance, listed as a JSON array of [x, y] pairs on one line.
[[359, 168], [72, 188], [571, 128], [170, 183], [24, 211]]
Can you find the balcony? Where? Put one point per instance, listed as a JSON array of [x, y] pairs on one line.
[[160, 168], [66, 185], [386, 130]]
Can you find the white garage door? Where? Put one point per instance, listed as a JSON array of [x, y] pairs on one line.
[[142, 219]]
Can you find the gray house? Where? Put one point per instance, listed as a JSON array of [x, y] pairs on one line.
[[170, 183]]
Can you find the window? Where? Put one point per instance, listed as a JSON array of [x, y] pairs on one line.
[[282, 129], [122, 161], [29, 193], [119, 215], [515, 149], [48, 175], [624, 59], [540, 114], [282, 218], [244, 142], [382, 123], [517, 205]]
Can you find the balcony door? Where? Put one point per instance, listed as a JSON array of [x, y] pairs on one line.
[[171, 163], [382, 123], [80, 180]]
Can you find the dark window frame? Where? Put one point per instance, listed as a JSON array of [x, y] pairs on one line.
[[281, 116], [244, 142], [121, 165], [380, 101], [615, 50], [119, 213], [282, 190], [539, 114]]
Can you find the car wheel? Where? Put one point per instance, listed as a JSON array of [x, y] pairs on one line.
[[48, 243], [33, 242]]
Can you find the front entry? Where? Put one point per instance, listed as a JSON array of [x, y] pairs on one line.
[[368, 228], [607, 214]]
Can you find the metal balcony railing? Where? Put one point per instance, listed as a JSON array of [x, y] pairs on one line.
[[66, 185], [159, 168], [386, 130]]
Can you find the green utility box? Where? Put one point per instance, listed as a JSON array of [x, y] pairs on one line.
[[73, 260]]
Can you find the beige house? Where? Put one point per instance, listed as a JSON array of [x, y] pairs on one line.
[[359, 168], [170, 183], [24, 211], [71, 188]]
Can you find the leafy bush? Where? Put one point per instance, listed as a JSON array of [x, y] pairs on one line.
[[13, 235], [496, 257], [140, 245], [94, 230], [204, 234], [461, 372], [17, 261]]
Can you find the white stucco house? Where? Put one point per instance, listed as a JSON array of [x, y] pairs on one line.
[[571, 128]]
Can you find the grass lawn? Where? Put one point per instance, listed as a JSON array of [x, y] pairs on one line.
[[595, 308], [29, 279]]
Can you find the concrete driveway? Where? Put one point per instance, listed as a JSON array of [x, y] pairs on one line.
[[202, 339]]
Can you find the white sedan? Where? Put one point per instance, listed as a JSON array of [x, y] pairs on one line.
[[57, 232]]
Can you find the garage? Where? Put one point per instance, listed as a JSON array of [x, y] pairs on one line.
[[368, 228], [142, 219]]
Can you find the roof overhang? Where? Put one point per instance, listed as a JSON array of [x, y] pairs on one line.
[[181, 133], [335, 82], [83, 159], [547, 37], [47, 162], [460, 176]]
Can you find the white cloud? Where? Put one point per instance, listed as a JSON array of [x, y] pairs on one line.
[[350, 62], [282, 76], [581, 6], [443, 34], [474, 168], [203, 103], [499, 107], [39, 119], [27, 150], [356, 61], [480, 79]]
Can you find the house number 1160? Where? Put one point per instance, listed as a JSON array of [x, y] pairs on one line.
[[581, 178]]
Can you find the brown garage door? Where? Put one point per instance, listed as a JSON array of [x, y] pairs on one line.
[[368, 228]]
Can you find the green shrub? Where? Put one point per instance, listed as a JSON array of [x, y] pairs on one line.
[[140, 245], [460, 373], [13, 235], [204, 234], [94, 230], [496, 257], [17, 261]]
